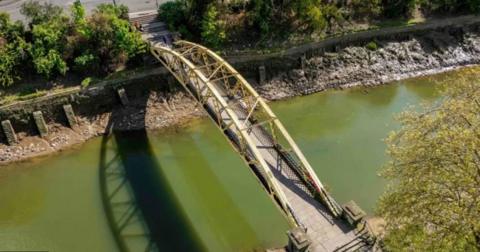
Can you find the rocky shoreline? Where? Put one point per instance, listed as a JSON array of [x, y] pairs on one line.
[[430, 53], [162, 110]]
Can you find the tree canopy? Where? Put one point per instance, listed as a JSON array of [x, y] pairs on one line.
[[433, 202], [13, 50], [58, 41]]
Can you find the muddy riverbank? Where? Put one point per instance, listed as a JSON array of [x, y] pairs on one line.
[[156, 101], [379, 63]]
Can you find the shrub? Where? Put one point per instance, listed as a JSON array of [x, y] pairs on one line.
[[38, 13], [213, 31], [13, 50], [398, 8], [174, 14], [106, 41], [372, 46], [365, 9], [86, 82], [447, 6], [261, 16], [48, 43]]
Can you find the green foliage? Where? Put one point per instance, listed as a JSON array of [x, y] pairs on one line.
[[448, 6], [120, 11], [262, 15], [40, 13], [432, 201], [86, 82], [361, 9], [12, 50], [311, 13], [78, 13], [48, 41], [213, 31], [174, 14], [372, 46], [399, 8], [106, 41]]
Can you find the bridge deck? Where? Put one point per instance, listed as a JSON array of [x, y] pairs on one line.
[[325, 232]]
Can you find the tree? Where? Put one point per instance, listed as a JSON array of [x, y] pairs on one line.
[[398, 8], [174, 14], [48, 46], [40, 13], [433, 201], [261, 16], [213, 31], [106, 41], [13, 50]]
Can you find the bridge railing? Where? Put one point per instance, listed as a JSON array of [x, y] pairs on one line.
[[259, 114], [199, 84]]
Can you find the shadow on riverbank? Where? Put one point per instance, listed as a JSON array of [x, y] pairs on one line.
[[128, 159]]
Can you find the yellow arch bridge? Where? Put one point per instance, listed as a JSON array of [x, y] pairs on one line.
[[263, 142]]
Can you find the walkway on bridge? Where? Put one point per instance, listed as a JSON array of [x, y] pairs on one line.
[[260, 138]]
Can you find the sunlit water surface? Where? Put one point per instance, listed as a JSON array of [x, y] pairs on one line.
[[201, 188]]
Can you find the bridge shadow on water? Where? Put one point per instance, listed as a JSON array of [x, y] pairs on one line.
[[140, 206]]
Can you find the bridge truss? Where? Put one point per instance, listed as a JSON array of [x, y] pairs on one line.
[[244, 117]]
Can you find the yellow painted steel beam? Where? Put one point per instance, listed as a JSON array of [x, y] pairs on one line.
[[250, 91], [182, 67]]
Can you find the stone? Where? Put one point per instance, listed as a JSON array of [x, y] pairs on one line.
[[41, 124], [9, 132], [72, 120], [262, 75], [297, 240], [123, 96]]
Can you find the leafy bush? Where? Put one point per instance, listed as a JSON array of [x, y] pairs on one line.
[[86, 82], [448, 6], [213, 31], [48, 43], [398, 8], [364, 9], [261, 16], [372, 46], [13, 50], [174, 14], [104, 41], [38, 13]]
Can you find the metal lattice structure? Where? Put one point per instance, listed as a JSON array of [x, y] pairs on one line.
[[243, 116]]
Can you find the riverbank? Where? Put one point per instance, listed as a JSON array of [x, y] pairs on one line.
[[153, 106], [379, 63]]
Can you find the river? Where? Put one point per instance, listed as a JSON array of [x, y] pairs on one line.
[[195, 192]]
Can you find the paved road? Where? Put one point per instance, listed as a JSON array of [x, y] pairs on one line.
[[13, 6]]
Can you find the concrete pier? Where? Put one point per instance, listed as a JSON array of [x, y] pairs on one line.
[[9, 132], [72, 120], [41, 124], [262, 75], [123, 96]]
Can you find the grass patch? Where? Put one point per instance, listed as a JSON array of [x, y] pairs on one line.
[[21, 97]]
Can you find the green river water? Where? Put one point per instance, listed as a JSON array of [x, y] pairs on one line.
[[198, 194]]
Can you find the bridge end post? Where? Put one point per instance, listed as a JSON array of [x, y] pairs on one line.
[[297, 240]]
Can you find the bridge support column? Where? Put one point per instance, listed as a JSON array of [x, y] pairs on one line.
[[72, 120], [297, 240], [123, 96], [41, 124], [303, 61], [9, 132], [262, 75]]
